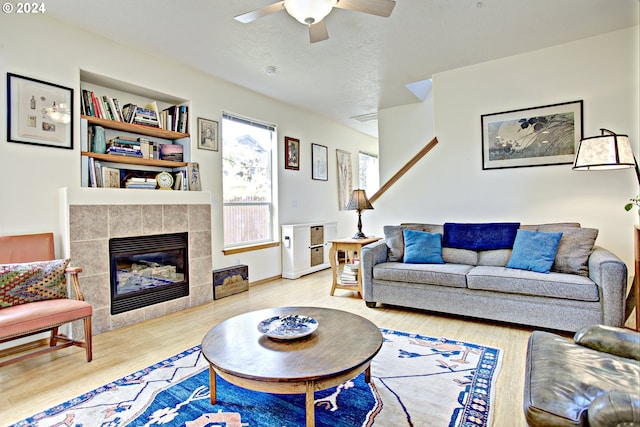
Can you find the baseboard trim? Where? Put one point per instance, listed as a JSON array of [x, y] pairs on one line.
[[266, 280]]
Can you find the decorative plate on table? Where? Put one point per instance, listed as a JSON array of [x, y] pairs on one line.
[[289, 327]]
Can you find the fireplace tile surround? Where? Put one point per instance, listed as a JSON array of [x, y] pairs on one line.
[[91, 221]]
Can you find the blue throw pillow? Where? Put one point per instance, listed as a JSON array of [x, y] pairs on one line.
[[421, 247], [481, 236], [534, 251]]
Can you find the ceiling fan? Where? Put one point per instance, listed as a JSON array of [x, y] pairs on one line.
[[313, 12]]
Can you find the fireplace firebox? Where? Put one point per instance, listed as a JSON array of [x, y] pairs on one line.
[[147, 270]]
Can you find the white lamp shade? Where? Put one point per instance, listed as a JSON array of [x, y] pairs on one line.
[[309, 12], [604, 152]]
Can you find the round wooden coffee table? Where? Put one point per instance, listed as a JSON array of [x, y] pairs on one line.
[[340, 349]]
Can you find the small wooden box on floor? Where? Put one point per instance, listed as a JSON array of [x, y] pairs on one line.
[[230, 280]]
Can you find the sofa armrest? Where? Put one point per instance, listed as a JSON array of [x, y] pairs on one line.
[[615, 408], [618, 341], [610, 274], [372, 254]]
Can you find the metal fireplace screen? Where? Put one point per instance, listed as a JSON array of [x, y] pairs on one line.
[[148, 270]]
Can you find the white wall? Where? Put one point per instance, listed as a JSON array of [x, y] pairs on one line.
[[449, 183], [32, 175]]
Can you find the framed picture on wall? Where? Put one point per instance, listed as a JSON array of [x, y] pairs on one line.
[[39, 113], [207, 134], [539, 136], [291, 153], [319, 164]]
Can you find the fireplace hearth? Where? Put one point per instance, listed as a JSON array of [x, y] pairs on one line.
[[147, 270]]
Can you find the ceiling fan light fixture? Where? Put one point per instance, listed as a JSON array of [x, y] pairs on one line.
[[309, 12]]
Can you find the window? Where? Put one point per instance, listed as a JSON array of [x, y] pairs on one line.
[[369, 174], [247, 180]]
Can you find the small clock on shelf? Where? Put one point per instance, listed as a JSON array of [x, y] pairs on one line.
[[165, 181]]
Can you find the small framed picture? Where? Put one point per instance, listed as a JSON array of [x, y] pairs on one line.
[[538, 136], [291, 153], [319, 164], [39, 113], [207, 134]]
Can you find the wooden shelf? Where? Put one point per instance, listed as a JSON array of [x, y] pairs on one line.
[[133, 128], [134, 160]]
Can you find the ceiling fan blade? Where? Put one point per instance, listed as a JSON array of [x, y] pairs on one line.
[[245, 18], [318, 32], [373, 7]]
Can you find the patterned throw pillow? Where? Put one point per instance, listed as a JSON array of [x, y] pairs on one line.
[[33, 281]]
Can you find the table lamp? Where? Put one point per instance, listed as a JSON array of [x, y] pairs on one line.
[[358, 202]]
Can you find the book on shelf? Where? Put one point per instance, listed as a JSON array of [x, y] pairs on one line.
[[128, 111], [139, 179], [141, 185], [125, 152], [136, 182], [110, 177], [138, 176], [153, 106], [109, 108], [91, 166], [179, 182], [173, 118]]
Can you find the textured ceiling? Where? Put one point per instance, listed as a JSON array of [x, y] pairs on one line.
[[367, 61]]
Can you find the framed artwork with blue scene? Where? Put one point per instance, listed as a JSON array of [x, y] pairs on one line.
[[538, 136]]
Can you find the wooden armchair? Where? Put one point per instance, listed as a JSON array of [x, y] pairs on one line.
[[33, 294]]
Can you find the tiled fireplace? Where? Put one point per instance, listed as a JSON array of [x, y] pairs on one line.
[[94, 216]]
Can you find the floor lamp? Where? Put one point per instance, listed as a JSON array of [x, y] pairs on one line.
[[613, 151]]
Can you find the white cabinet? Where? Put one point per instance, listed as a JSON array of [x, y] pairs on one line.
[[305, 248]]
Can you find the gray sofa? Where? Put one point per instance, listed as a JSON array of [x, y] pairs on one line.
[[586, 285]]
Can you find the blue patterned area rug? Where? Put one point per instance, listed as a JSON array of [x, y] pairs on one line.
[[415, 381]]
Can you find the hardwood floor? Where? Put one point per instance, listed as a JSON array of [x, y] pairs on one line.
[[37, 384]]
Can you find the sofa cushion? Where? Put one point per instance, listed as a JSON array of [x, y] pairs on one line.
[[480, 237], [497, 257], [421, 247], [451, 275], [574, 249], [460, 256], [395, 241], [34, 281], [534, 251], [552, 285]]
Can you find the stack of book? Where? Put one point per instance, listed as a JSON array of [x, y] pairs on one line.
[[122, 146], [144, 183], [134, 147], [146, 116], [349, 274]]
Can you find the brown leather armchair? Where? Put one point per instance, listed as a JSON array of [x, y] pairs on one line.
[[593, 381], [19, 317]]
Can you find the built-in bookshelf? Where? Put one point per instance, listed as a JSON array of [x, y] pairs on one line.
[[142, 133]]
